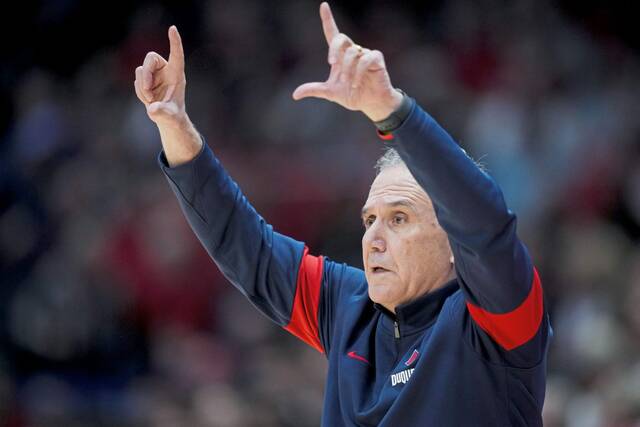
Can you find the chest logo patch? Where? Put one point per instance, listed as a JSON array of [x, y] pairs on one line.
[[403, 376], [413, 358]]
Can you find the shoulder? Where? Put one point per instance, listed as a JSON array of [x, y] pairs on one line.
[[347, 281]]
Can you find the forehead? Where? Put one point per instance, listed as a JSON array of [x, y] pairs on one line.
[[393, 186]]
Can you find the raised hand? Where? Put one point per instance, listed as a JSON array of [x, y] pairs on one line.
[[358, 79], [160, 84]]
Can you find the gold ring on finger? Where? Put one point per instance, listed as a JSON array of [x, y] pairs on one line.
[[360, 50]]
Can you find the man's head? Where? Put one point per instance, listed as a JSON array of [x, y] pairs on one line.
[[405, 251]]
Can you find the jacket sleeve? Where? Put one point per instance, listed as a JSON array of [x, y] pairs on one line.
[[276, 273], [502, 288]]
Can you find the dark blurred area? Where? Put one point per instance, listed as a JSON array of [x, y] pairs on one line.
[[113, 315]]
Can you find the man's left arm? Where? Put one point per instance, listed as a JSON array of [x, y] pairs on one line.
[[502, 287]]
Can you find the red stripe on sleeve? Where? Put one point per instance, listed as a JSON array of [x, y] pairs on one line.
[[515, 328], [304, 316]]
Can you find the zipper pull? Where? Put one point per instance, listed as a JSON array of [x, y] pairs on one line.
[[396, 329]]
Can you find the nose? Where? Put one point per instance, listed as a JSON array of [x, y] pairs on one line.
[[373, 239]]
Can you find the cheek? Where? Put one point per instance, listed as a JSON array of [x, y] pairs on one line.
[[410, 252], [417, 251]]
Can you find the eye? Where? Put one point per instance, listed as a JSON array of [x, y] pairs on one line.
[[368, 221], [399, 219]]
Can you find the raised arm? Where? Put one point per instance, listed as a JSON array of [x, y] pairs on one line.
[[502, 289], [276, 273]]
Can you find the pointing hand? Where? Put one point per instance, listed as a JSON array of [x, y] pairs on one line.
[[160, 84], [358, 79]]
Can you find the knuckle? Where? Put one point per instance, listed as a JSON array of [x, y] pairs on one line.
[[150, 58], [343, 39]]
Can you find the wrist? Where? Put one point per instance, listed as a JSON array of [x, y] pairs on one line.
[[390, 104], [181, 142], [396, 117], [178, 123]]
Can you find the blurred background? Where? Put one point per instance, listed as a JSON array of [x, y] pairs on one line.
[[113, 315]]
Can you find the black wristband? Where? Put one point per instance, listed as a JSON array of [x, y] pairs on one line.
[[397, 117]]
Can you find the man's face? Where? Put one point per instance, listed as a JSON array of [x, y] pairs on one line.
[[405, 251]]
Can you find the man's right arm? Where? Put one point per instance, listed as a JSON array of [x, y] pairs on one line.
[[261, 264], [276, 273]]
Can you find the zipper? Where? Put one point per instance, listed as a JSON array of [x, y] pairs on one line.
[[396, 329], [396, 341]]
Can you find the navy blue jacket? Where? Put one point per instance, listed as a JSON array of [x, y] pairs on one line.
[[472, 353]]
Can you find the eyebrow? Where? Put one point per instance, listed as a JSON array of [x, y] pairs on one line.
[[394, 204]]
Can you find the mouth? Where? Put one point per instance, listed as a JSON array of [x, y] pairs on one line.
[[377, 270]]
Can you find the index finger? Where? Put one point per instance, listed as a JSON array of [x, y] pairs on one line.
[[176, 52], [328, 23]]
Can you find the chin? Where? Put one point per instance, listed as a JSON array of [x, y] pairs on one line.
[[382, 293]]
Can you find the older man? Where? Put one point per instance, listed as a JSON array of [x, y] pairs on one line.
[[415, 339]]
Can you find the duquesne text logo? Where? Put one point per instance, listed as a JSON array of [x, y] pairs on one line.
[[401, 377]]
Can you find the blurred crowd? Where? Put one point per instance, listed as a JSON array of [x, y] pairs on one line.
[[113, 315]]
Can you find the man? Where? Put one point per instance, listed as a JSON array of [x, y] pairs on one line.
[[415, 339]]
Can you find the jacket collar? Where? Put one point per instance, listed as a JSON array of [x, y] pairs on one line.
[[419, 313]]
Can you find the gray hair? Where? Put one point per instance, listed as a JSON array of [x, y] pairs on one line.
[[391, 157]]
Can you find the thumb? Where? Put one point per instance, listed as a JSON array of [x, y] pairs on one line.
[[316, 90]]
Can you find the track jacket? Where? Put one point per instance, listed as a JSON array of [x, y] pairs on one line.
[[472, 353]]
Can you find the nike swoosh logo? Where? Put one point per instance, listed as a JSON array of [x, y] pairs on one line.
[[353, 355]]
